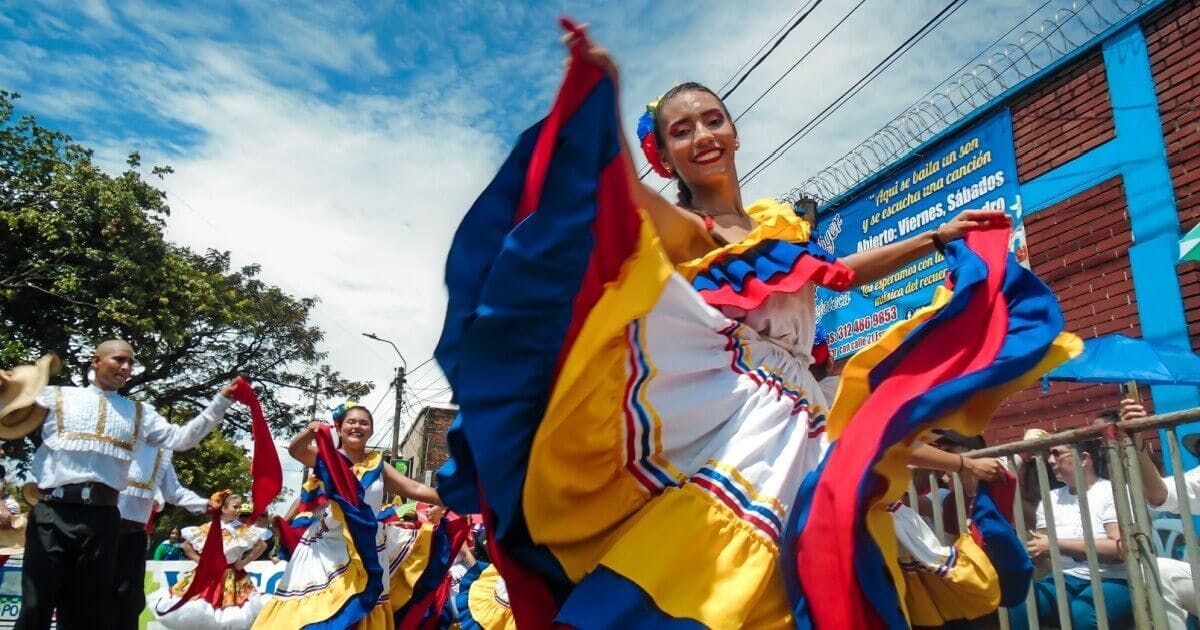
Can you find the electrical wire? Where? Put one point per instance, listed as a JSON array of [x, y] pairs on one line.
[[990, 46], [762, 48], [789, 25], [418, 368], [774, 46], [800, 60], [853, 90]]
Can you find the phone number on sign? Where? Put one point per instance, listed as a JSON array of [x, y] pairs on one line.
[[865, 323]]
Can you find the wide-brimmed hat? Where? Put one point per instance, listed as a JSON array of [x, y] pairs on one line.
[[1033, 434], [19, 387], [12, 538], [31, 493]]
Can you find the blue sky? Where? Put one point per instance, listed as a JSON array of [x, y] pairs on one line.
[[351, 137]]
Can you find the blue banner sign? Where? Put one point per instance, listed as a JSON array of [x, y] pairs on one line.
[[975, 169]]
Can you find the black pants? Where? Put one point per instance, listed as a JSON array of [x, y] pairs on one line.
[[70, 564], [131, 576]]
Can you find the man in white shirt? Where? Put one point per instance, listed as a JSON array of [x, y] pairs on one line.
[[1068, 526], [88, 441], [151, 475]]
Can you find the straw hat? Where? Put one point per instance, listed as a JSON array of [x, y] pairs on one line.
[[12, 538], [19, 386], [31, 493], [1033, 434]]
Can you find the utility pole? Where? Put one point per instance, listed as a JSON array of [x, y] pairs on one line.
[[399, 385]]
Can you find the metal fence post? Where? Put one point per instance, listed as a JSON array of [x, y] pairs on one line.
[[1060, 586], [1090, 536], [960, 503], [1192, 547], [1141, 615], [1022, 533], [935, 502], [1142, 532]]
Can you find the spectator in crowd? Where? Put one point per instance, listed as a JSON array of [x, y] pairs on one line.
[[973, 470], [1178, 592], [279, 550], [263, 525], [1027, 478], [171, 548], [1064, 508]]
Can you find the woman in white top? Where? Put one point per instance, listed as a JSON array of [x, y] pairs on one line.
[[238, 602]]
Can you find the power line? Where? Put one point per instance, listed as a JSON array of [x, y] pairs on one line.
[[423, 364], [382, 398], [793, 21], [1064, 31], [801, 59], [779, 41], [858, 86], [989, 47], [761, 48]]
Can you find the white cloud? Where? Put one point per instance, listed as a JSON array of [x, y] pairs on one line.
[[99, 12], [353, 196]]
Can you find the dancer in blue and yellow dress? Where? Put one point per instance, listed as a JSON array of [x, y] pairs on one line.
[[341, 572], [637, 418]]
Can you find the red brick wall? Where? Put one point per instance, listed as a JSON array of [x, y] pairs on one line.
[[1173, 43], [1062, 117], [1080, 248], [436, 426]]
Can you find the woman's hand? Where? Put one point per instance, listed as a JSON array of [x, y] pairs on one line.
[[1038, 545], [983, 468], [591, 53], [314, 427], [971, 220]]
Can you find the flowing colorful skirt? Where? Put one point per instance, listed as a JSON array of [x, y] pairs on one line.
[[234, 608], [326, 571], [483, 600], [634, 444], [641, 459], [944, 582]]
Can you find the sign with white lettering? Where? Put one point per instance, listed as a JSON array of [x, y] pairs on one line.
[[975, 169]]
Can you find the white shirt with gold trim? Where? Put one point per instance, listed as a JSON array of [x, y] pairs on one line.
[[152, 475], [89, 434]]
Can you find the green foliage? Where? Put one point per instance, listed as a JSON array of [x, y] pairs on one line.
[[215, 464], [83, 258]]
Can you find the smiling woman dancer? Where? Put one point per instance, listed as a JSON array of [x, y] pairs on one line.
[[336, 561], [237, 603], [637, 414]]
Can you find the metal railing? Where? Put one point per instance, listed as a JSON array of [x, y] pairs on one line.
[[1135, 521]]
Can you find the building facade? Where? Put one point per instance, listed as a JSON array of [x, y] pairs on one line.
[[424, 445], [1105, 144]]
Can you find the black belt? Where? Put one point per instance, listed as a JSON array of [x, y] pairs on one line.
[[89, 493], [132, 526]]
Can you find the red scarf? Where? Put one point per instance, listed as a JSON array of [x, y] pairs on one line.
[[266, 481]]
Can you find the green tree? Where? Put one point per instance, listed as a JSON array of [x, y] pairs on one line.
[[215, 464], [83, 258]]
